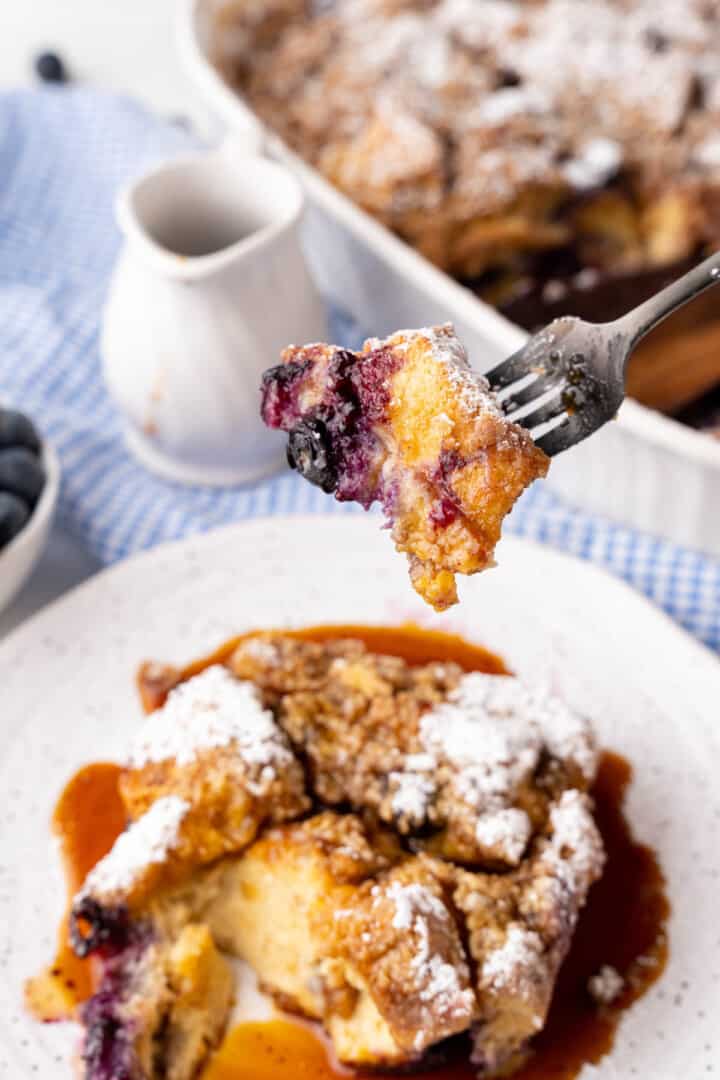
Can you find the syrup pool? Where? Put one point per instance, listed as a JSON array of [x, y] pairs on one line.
[[623, 923]]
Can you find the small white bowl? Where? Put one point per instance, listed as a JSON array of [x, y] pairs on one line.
[[18, 559]]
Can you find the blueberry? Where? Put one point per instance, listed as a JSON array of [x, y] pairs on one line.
[[14, 514], [49, 68], [21, 474], [94, 926], [17, 430], [310, 453]]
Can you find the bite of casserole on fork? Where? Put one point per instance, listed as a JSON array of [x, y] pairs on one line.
[[406, 423]]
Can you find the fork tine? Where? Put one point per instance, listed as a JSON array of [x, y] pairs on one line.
[[513, 369], [549, 411], [529, 393], [564, 435]]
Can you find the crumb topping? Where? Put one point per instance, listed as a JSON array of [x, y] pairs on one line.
[[211, 710], [491, 731], [472, 762], [145, 842]]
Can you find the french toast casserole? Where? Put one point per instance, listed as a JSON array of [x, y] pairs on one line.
[[559, 157], [399, 852]]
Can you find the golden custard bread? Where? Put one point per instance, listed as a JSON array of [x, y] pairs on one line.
[[406, 423], [396, 902]]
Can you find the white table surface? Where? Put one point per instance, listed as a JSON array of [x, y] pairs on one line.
[[128, 47]]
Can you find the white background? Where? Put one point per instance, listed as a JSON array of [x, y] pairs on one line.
[[125, 45]]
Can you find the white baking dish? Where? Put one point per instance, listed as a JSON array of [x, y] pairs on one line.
[[645, 469]]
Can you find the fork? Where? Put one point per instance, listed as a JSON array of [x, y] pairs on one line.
[[573, 372]]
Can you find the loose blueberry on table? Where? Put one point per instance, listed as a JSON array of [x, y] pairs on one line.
[[50, 68], [22, 474]]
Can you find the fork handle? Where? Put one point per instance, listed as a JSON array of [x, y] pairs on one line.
[[644, 318]]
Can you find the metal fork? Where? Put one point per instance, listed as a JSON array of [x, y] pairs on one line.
[[573, 372]]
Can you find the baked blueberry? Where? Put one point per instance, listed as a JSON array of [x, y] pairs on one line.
[[309, 452], [16, 429], [14, 514], [21, 474], [94, 927]]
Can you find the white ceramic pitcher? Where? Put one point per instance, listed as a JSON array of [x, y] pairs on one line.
[[210, 286]]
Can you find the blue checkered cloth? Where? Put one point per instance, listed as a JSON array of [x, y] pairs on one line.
[[63, 155]]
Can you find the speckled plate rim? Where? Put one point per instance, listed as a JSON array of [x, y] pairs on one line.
[[66, 696]]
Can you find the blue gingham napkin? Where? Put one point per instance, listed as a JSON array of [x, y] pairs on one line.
[[63, 155]]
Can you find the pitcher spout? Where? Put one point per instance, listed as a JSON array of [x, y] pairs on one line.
[[210, 286], [193, 216]]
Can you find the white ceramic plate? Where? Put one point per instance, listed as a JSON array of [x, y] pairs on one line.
[[66, 697]]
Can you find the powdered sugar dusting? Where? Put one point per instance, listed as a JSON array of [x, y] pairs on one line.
[[212, 710], [595, 162], [451, 355], [411, 901], [513, 963], [508, 103], [145, 842], [606, 985], [412, 793], [479, 747], [506, 830], [575, 853], [438, 980], [486, 730]]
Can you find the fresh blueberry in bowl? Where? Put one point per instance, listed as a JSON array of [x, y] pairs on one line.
[[14, 516], [16, 429], [29, 481], [22, 474]]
